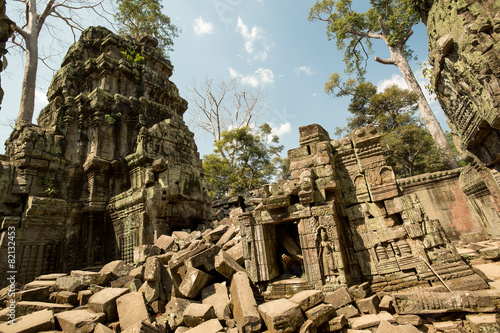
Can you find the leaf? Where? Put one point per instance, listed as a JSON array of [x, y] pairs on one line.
[[4, 63]]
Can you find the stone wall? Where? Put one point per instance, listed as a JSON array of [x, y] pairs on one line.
[[110, 165], [464, 44]]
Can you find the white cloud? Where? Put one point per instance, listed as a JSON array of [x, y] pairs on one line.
[[260, 77], [255, 41], [201, 27], [41, 98], [303, 69], [314, 95], [395, 79], [281, 129], [398, 80]]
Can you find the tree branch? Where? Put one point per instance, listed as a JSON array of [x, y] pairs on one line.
[[365, 34], [385, 61], [46, 12]]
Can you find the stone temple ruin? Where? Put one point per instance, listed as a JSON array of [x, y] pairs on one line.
[[111, 164], [111, 169]]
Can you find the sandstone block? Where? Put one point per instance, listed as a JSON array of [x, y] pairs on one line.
[[306, 299], [448, 326], [26, 307], [368, 305], [67, 297], [38, 321], [349, 311], [203, 259], [365, 321], [483, 323], [137, 273], [100, 328], [214, 235], [166, 243], [195, 314], [105, 302], [75, 283], [79, 321], [408, 320], [333, 325], [134, 285], [83, 297], [226, 265], [217, 296], [338, 298], [384, 315], [321, 313], [193, 282], [308, 327], [141, 252], [361, 291], [152, 269], [121, 282], [227, 236], [281, 315], [210, 326], [36, 294], [244, 305], [152, 291], [131, 308], [386, 303], [236, 252], [117, 268], [174, 311]]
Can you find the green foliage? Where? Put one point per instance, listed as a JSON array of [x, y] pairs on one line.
[[385, 19], [132, 56], [243, 159], [49, 188], [111, 118], [138, 18], [410, 149]]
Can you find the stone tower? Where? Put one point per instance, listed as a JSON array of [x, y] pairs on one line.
[[111, 164]]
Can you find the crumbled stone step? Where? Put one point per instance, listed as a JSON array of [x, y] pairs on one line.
[[34, 322], [281, 315], [79, 321]]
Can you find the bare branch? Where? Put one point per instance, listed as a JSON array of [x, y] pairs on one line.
[[385, 61], [365, 34], [46, 12]]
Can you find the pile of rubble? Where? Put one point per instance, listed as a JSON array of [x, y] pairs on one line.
[[196, 282]]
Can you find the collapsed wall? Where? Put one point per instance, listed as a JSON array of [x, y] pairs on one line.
[[342, 218], [110, 165]]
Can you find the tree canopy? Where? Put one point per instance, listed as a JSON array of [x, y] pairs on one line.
[[409, 147], [244, 159], [138, 18]]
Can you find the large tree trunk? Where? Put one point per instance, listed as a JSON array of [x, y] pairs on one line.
[[27, 106], [428, 116]]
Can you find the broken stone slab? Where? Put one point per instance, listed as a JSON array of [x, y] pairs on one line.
[[365, 321], [105, 302], [226, 265], [217, 296], [35, 294], [79, 321], [174, 311], [142, 252], [368, 305], [214, 235], [195, 314], [166, 243], [144, 326], [321, 313], [333, 325], [244, 305], [42, 283], [448, 326], [386, 303], [34, 322], [84, 296], [483, 323], [227, 236], [308, 327], [408, 320], [131, 308], [121, 282], [27, 307], [100, 328], [386, 327], [193, 282], [180, 257], [117, 268], [348, 311], [75, 283], [338, 298], [306, 299], [187, 241], [52, 276], [137, 273], [158, 306], [203, 259], [66, 297], [152, 269], [281, 315], [384, 315], [210, 326], [152, 291], [134, 285], [236, 252], [361, 291]]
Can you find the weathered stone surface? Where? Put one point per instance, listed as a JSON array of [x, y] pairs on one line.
[[34, 322], [338, 298], [244, 305], [166, 243], [210, 326], [214, 235], [152, 269], [79, 321], [100, 328], [226, 265], [26, 307], [75, 283], [360, 292], [193, 282], [195, 314], [84, 296], [386, 303], [204, 259], [335, 324], [137, 273], [227, 236], [117, 268], [121, 282], [281, 315], [217, 296], [142, 252], [105, 302], [174, 311], [321, 313], [368, 305], [308, 298], [386, 327], [152, 291], [365, 321], [236, 252], [349, 311], [384, 315], [408, 320], [308, 327], [131, 308], [66, 297], [483, 323], [36, 294]]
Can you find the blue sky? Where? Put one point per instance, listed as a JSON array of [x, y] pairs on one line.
[[265, 44]]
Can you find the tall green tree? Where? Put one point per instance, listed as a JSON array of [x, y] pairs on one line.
[[139, 18], [409, 147], [390, 21], [243, 159]]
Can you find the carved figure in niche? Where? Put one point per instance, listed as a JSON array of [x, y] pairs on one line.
[[98, 255], [326, 256]]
